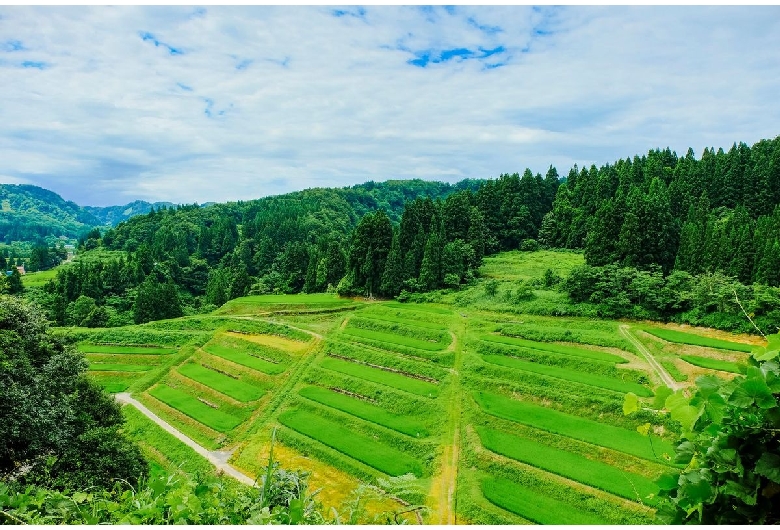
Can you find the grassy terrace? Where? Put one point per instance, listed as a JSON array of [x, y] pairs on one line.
[[602, 434], [365, 411], [554, 348], [245, 359], [383, 377], [379, 456], [233, 387], [125, 350], [195, 409], [534, 506], [392, 338], [600, 381], [681, 337], [714, 364], [114, 367], [573, 466]]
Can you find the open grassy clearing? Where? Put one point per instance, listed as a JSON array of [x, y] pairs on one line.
[[608, 383], [365, 411], [38, 279], [425, 308], [714, 364], [285, 302], [554, 348], [125, 350], [573, 466], [114, 367], [233, 387], [245, 359], [590, 431], [604, 333], [379, 456], [383, 377], [412, 319], [518, 265], [271, 341], [390, 338], [697, 340], [534, 506], [403, 329], [190, 406], [113, 382]]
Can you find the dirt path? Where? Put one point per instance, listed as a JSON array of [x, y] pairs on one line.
[[218, 458], [655, 365]]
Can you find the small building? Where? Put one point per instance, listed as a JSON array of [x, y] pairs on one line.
[[20, 268]]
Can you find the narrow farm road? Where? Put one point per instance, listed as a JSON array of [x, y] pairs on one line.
[[218, 458], [655, 365]]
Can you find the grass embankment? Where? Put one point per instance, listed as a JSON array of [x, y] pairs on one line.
[[383, 377], [570, 465], [361, 448], [604, 435], [534, 506], [365, 411], [714, 364], [245, 359], [232, 387], [113, 367], [518, 265], [125, 350], [681, 337], [391, 338], [600, 381], [554, 348], [198, 411]]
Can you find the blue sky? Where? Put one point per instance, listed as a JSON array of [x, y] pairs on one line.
[[106, 105]]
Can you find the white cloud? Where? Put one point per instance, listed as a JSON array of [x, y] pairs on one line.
[[270, 99]]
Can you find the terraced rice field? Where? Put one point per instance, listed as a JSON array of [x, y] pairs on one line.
[[714, 364], [230, 386], [383, 377], [125, 350], [197, 410], [383, 458], [245, 359], [555, 348], [697, 340]]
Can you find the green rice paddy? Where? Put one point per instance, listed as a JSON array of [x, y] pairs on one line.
[[585, 378], [555, 348], [365, 411], [601, 434], [135, 350], [198, 411], [681, 337], [391, 338], [235, 388], [107, 367], [370, 452], [570, 465], [244, 359], [383, 377], [714, 364]]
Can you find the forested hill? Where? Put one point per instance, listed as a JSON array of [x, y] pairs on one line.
[[113, 215], [28, 213]]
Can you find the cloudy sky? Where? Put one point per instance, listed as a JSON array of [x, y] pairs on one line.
[[106, 105]]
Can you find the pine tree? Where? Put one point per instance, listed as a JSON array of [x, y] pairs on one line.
[[392, 277]]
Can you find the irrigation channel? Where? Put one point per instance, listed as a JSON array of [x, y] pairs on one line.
[[218, 458], [662, 373]]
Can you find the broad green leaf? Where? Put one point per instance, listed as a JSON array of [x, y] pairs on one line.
[[680, 409], [668, 481], [754, 389], [769, 466], [696, 487], [630, 404], [644, 429], [661, 393], [741, 492], [684, 453]]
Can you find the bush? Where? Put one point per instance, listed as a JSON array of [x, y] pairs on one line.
[[529, 245]]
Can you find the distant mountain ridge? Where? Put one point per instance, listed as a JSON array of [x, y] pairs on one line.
[[30, 212]]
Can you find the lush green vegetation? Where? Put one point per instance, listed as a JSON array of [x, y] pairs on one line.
[[714, 364], [245, 359], [534, 506], [391, 338], [697, 340], [363, 449], [361, 409], [570, 465], [230, 386], [114, 367], [122, 350], [609, 383], [383, 377], [594, 432], [201, 412], [555, 348]]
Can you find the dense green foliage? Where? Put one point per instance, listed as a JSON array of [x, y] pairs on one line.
[[195, 409]]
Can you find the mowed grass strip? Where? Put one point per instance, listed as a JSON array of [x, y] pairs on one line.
[[365, 411], [235, 388], [714, 364], [383, 377], [113, 367], [554, 348], [570, 465], [244, 359], [601, 434], [585, 378], [391, 338], [363, 449], [534, 506], [418, 307], [190, 406], [681, 337], [137, 350]]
